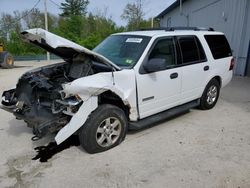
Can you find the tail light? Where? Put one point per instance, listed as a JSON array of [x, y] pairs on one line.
[[232, 63]]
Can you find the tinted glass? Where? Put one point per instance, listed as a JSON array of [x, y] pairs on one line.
[[164, 49], [189, 49], [219, 46], [123, 50]]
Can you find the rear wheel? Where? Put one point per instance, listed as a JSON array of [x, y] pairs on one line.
[[104, 129], [210, 95]]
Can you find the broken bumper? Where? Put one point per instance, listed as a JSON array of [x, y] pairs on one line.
[[9, 102], [42, 119], [66, 120]]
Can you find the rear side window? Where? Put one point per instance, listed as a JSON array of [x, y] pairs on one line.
[[191, 49], [219, 46]]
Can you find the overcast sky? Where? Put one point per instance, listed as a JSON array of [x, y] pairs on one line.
[[114, 7]]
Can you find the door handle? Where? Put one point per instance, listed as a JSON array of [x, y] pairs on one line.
[[174, 75], [206, 68]]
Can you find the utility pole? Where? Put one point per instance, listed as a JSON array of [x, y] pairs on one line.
[[46, 23]]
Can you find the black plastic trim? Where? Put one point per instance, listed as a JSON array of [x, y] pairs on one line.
[[162, 116], [178, 28]]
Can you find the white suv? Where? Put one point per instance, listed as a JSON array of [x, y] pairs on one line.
[[129, 81]]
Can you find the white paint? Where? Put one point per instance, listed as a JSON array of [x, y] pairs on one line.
[[77, 120], [164, 90], [191, 81], [124, 86], [88, 88]]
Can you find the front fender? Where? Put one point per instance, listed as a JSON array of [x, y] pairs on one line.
[[78, 119]]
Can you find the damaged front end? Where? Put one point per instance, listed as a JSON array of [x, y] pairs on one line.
[[38, 100], [60, 97]]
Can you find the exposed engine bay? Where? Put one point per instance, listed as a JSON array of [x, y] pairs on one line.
[[38, 99], [59, 98]]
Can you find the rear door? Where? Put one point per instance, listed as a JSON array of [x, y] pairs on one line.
[[195, 67], [159, 90]]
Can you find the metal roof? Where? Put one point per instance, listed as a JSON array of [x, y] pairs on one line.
[[170, 8]]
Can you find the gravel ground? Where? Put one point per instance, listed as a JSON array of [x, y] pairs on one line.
[[197, 149]]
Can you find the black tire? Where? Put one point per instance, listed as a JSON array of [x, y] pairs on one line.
[[96, 129], [209, 99], [7, 60]]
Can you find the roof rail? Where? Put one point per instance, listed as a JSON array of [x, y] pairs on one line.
[[178, 28]]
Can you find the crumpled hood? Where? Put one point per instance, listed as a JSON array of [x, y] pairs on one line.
[[60, 46]]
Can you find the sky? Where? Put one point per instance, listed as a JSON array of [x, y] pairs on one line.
[[114, 7]]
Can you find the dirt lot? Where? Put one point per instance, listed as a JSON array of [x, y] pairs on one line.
[[197, 149]]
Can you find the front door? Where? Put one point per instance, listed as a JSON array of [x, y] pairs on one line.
[[159, 90]]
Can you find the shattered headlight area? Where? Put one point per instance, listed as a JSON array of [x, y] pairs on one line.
[[42, 116], [68, 106]]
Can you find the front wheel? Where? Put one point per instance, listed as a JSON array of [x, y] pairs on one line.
[[105, 128], [210, 95]]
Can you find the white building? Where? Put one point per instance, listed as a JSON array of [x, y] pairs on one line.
[[229, 16]]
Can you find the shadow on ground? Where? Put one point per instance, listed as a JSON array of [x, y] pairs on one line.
[[46, 152]]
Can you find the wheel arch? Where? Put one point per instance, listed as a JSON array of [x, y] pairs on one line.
[[218, 78], [109, 97]]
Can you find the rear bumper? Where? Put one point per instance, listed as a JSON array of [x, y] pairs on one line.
[[226, 78]]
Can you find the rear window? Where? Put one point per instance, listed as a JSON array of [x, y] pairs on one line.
[[219, 46], [191, 49]]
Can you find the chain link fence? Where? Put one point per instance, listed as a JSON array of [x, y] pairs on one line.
[[35, 57]]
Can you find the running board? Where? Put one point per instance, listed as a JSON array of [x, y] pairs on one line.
[[160, 117]]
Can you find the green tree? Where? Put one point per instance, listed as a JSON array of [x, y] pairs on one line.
[[33, 18], [86, 30], [133, 13], [74, 7], [12, 25], [9, 23]]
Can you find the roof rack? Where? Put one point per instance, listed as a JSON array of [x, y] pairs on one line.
[[178, 28]]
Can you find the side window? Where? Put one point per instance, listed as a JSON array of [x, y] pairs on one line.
[[219, 46], [164, 49], [191, 49]]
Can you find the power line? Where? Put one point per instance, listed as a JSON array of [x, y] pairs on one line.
[[18, 19], [54, 3]]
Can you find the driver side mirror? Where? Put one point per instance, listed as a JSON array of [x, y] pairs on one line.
[[154, 65]]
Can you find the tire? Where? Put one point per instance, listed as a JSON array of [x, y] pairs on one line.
[[7, 60], [210, 95], [105, 128]]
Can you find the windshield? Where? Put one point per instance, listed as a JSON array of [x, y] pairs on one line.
[[123, 50]]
